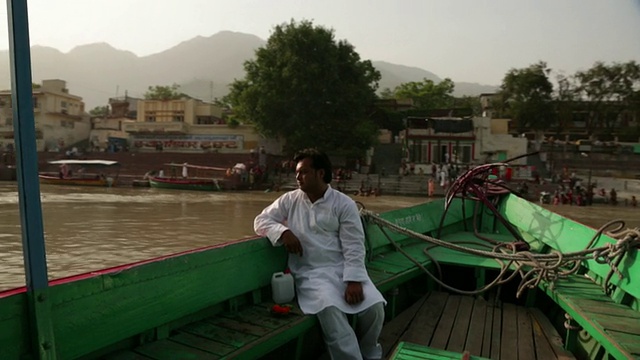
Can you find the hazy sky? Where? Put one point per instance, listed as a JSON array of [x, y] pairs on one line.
[[470, 40]]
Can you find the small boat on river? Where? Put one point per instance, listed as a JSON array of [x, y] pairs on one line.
[[206, 178], [82, 173]]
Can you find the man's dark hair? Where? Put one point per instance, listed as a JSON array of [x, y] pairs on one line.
[[319, 160]]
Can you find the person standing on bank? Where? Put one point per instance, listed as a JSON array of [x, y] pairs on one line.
[[325, 240]]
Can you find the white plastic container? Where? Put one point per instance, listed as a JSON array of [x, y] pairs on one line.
[[282, 288]]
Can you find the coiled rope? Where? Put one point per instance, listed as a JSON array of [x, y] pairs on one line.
[[533, 267], [477, 185]]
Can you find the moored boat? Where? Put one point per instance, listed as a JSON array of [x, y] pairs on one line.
[[206, 178], [140, 183], [184, 184], [82, 173]]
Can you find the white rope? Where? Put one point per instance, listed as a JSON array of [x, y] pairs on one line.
[[548, 267]]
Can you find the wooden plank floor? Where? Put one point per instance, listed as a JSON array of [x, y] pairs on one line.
[[247, 333], [462, 323]]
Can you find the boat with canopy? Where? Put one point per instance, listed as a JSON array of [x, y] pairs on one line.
[[189, 177], [82, 173]]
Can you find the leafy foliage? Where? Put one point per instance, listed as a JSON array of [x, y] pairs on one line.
[[308, 88], [163, 93], [99, 111], [609, 90], [527, 94], [469, 102], [427, 95]]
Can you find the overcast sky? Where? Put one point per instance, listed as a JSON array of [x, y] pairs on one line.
[[466, 40]]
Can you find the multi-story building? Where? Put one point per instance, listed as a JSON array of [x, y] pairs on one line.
[[188, 125], [461, 140], [60, 118], [107, 131]]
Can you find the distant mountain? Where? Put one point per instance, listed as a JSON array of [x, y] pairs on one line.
[[202, 66]]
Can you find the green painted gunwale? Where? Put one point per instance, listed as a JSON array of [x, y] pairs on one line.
[[94, 314]]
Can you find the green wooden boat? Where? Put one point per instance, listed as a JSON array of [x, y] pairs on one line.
[[207, 178], [214, 302], [185, 184]]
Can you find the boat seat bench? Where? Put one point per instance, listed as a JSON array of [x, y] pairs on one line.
[[615, 326], [253, 331]]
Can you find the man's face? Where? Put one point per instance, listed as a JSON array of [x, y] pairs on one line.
[[308, 178]]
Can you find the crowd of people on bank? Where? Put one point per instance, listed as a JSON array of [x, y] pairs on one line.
[[572, 191]]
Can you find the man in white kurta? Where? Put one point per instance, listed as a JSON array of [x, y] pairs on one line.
[[321, 229]]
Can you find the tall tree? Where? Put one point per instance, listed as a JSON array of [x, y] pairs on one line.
[[163, 93], [427, 95], [308, 88], [99, 111], [608, 90], [469, 102], [565, 104], [527, 94]]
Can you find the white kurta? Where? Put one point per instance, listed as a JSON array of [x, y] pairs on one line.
[[332, 239]]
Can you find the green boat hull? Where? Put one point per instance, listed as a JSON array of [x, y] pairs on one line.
[[177, 305], [185, 184]]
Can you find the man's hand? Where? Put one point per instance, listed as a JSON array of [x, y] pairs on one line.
[[291, 243], [354, 295]]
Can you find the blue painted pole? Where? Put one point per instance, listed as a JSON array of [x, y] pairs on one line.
[[33, 247]]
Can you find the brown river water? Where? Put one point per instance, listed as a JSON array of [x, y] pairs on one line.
[[88, 229]]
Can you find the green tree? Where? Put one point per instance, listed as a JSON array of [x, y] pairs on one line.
[[163, 93], [566, 102], [527, 94], [387, 93], [469, 102], [99, 111], [308, 88], [427, 95], [609, 91]]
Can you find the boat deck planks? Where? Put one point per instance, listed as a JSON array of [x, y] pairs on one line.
[[462, 323], [249, 332], [422, 332], [509, 338], [477, 327]]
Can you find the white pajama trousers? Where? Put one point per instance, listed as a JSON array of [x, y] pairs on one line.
[[343, 342]]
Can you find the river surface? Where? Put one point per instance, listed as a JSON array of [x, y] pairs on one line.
[[88, 229]]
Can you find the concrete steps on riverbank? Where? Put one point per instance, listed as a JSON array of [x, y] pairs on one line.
[[412, 185]]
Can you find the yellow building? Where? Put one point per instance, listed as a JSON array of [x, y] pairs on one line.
[[187, 125], [60, 118]]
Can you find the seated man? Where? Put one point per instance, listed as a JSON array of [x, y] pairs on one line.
[[325, 240]]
